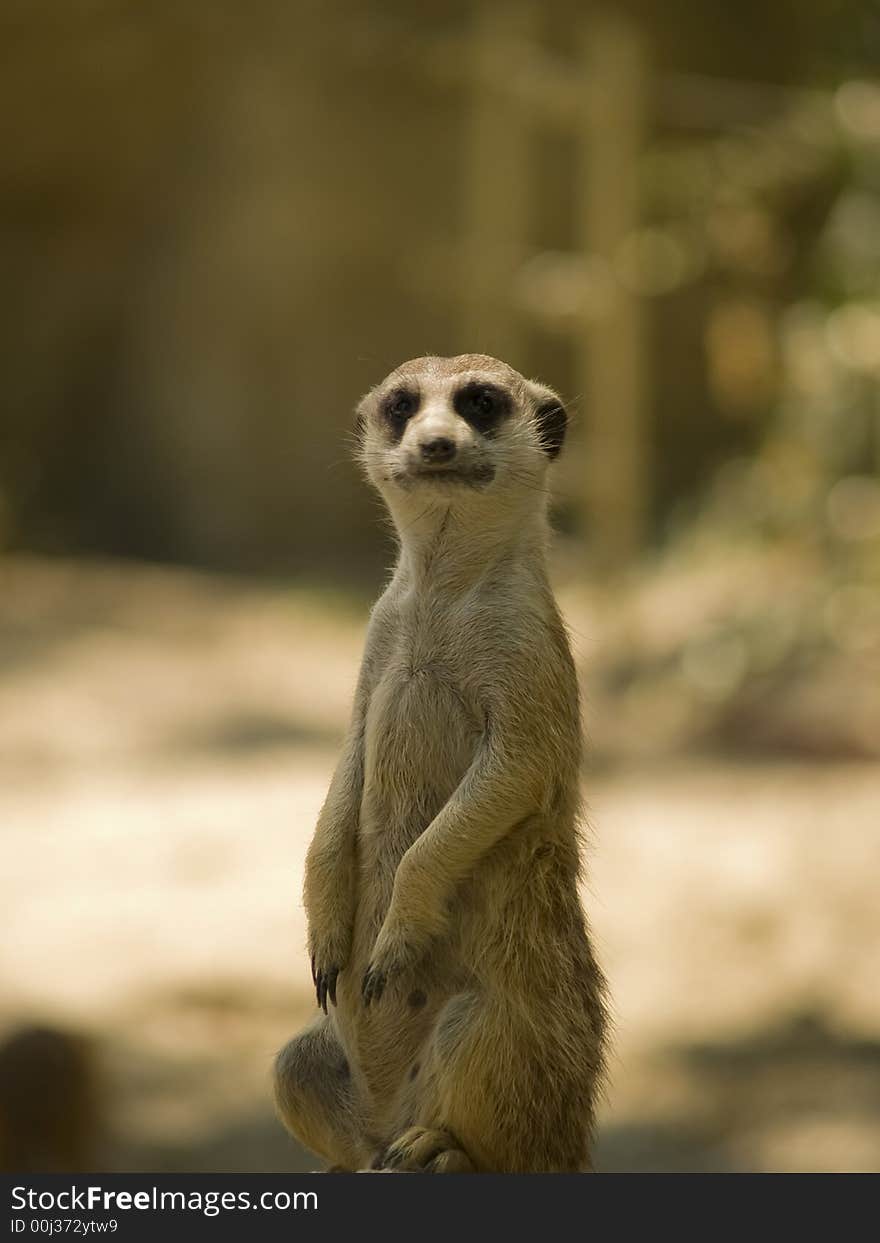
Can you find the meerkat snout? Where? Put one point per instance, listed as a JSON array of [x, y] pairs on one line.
[[435, 438], [437, 450]]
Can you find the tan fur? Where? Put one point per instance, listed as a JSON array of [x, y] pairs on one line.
[[442, 880]]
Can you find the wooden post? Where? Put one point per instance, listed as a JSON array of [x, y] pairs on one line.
[[496, 181], [610, 350]]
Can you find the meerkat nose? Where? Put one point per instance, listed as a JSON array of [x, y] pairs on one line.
[[438, 449]]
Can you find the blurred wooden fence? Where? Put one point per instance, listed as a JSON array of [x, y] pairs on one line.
[[178, 296], [600, 97]]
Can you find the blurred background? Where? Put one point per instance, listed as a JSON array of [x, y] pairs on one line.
[[221, 223]]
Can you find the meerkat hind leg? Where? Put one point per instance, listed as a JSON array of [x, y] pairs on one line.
[[315, 1096], [512, 1105]]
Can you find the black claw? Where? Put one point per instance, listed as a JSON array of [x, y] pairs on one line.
[[325, 986], [373, 986], [368, 988]]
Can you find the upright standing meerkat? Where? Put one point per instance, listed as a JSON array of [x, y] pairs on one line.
[[465, 1023]]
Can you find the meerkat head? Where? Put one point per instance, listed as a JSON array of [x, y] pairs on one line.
[[458, 429]]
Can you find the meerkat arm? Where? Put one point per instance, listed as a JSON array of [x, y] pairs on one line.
[[501, 788], [331, 860], [328, 890], [509, 779]]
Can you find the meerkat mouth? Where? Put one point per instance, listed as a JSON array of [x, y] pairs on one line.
[[473, 477]]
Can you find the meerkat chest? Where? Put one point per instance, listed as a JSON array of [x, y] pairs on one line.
[[422, 731]]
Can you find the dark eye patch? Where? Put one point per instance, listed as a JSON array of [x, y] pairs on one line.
[[398, 407], [482, 405]]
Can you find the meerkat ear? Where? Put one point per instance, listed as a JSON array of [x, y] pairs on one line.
[[551, 419]]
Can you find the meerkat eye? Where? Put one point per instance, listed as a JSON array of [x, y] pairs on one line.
[[401, 405], [481, 405]]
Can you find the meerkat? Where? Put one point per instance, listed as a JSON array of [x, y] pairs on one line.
[[461, 1019]]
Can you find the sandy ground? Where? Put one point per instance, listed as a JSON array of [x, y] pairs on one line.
[[165, 743]]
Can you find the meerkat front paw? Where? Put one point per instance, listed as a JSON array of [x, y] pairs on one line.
[[393, 954], [328, 958], [373, 985], [325, 984]]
